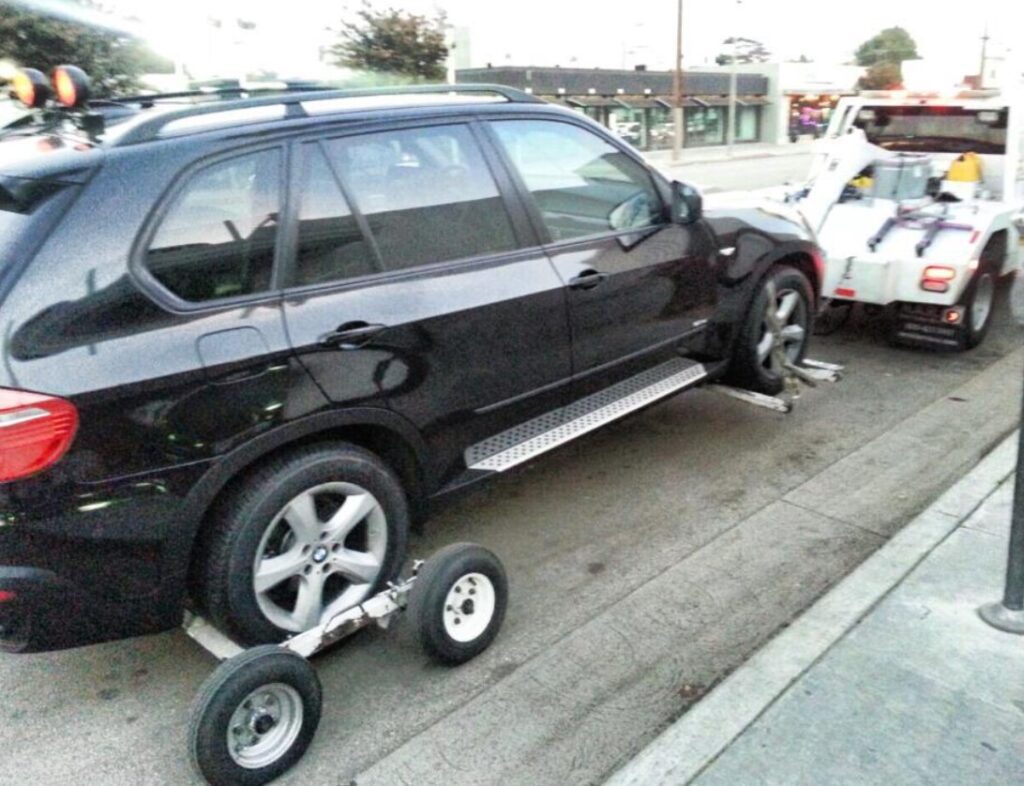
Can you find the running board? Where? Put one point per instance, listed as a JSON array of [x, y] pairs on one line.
[[509, 448]]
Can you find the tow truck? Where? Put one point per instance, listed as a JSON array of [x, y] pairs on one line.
[[917, 200]]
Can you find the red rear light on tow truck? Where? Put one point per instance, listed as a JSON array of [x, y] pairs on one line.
[[35, 432], [936, 278]]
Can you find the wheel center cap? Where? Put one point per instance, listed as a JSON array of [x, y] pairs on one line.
[[320, 554], [263, 723]]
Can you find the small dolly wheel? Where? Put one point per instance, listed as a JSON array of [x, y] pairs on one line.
[[458, 602], [254, 717]]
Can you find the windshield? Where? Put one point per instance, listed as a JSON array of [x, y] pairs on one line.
[[934, 129]]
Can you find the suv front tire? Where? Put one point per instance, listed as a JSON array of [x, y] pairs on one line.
[[752, 366]]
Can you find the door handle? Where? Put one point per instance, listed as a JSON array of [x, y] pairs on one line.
[[588, 279], [351, 335]]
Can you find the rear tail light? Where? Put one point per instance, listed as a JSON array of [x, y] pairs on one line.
[[35, 432], [6, 595], [937, 273], [936, 278]]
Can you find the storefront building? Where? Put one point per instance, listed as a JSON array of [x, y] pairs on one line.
[[802, 96], [637, 105]]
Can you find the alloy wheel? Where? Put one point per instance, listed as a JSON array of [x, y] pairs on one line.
[[321, 554], [786, 312]]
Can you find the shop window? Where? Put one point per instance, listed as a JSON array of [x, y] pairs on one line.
[[747, 118], [705, 126]]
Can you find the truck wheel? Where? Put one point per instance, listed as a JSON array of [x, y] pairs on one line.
[[304, 538], [978, 302], [458, 602], [254, 717], [752, 365]]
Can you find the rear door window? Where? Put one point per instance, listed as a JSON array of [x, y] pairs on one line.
[[331, 246], [218, 237], [427, 194]]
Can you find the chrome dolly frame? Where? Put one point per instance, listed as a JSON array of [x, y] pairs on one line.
[[257, 713]]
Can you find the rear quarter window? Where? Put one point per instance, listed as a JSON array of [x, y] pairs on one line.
[[217, 238]]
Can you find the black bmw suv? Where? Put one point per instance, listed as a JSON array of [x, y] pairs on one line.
[[248, 340]]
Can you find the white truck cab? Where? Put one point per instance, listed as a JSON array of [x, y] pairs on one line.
[[917, 199]]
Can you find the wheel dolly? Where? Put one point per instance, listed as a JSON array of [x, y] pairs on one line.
[[806, 371], [256, 714]]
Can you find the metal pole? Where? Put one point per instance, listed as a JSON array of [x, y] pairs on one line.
[[1008, 616], [984, 58], [677, 90], [730, 127]]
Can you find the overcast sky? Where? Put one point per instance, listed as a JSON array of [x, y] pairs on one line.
[[615, 34]]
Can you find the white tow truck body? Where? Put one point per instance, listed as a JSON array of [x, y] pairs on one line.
[[885, 246]]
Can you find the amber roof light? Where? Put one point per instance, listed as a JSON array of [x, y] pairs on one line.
[[30, 87], [71, 84]]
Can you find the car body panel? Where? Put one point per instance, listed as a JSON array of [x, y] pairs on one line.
[[178, 400]]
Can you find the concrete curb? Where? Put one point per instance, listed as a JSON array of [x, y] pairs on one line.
[[693, 742]]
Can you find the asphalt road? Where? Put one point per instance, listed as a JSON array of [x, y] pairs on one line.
[[646, 560], [742, 173]]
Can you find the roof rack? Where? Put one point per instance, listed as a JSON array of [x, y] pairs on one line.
[[291, 100], [226, 93]]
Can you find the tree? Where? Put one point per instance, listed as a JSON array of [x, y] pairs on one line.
[[747, 51], [393, 42], [892, 45], [882, 76], [883, 54], [35, 40]]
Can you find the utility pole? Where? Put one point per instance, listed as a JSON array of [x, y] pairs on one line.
[[677, 89], [730, 123], [730, 127], [984, 58]]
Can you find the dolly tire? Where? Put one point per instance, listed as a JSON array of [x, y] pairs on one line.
[[254, 717], [458, 602]]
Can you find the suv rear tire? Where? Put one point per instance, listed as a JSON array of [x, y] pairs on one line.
[[751, 368], [335, 519]]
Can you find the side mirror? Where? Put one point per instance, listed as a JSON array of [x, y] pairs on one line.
[[687, 204]]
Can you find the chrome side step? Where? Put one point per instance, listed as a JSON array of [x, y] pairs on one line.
[[509, 448]]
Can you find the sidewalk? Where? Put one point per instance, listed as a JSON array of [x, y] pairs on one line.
[[718, 153], [889, 678]]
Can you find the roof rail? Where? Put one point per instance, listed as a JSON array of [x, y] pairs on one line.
[[291, 101], [227, 93]]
